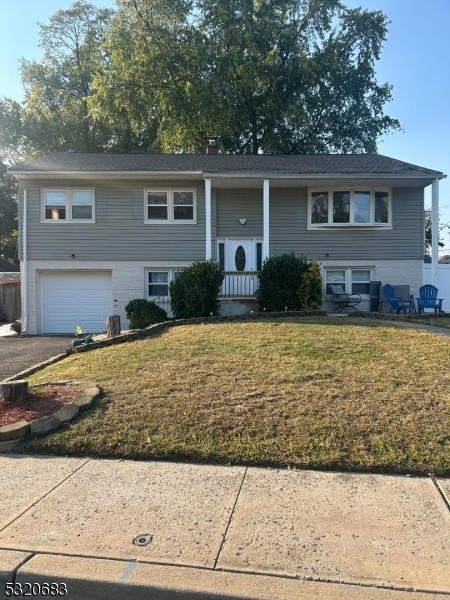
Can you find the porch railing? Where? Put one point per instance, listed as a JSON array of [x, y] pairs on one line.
[[239, 284]]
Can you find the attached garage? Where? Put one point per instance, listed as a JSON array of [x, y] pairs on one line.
[[72, 298]]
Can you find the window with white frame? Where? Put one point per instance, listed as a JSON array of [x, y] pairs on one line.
[[357, 207], [158, 282], [68, 204], [170, 206], [353, 280]]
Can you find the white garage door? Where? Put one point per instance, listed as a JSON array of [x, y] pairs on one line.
[[70, 299]]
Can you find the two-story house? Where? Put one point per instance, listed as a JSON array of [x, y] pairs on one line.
[[97, 230]]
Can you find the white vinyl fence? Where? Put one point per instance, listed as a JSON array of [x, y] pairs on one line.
[[443, 282]]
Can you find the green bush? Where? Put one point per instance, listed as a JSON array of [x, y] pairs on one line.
[[310, 288], [142, 313], [195, 291], [279, 281], [289, 282]]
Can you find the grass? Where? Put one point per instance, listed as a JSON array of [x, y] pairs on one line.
[[308, 393]]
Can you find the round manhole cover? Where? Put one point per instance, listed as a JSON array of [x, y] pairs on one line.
[[143, 539]]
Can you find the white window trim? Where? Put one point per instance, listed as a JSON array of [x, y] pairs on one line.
[[170, 212], [352, 190], [171, 276], [348, 281], [68, 192]]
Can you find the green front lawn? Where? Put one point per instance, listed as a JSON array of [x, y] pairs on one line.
[[323, 393]]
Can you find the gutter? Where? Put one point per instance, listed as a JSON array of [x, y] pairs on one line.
[[261, 175]]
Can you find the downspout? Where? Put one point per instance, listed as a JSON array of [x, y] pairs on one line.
[[434, 230], [24, 266]]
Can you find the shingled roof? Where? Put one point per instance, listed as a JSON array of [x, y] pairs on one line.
[[222, 164]]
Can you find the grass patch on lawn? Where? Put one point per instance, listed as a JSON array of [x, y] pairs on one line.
[[431, 320], [311, 393]]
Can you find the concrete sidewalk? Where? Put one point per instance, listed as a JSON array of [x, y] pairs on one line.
[[110, 529]]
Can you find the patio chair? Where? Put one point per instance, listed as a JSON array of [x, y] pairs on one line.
[[428, 299], [342, 299], [397, 304]]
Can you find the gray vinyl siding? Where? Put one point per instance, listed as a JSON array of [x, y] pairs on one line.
[[119, 231], [289, 233], [234, 204]]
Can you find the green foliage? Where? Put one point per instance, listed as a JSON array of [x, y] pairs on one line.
[[279, 281], [310, 288], [195, 291], [55, 113], [274, 76], [8, 216], [429, 232], [142, 313]]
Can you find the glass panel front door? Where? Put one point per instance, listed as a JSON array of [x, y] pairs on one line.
[[240, 261]]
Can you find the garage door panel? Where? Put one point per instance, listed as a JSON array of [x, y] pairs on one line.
[[75, 299]]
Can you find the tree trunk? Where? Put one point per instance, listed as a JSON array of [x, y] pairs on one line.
[[13, 391], [113, 326]]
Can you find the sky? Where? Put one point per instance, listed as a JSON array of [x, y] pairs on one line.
[[415, 60]]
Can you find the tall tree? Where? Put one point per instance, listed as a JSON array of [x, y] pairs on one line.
[[8, 216], [152, 48], [280, 76], [54, 114]]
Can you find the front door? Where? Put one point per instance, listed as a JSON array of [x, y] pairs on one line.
[[240, 261], [240, 255]]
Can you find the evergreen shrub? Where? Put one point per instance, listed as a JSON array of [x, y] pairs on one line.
[[141, 313], [195, 291], [289, 282]]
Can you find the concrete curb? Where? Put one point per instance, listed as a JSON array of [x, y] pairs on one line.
[[98, 579], [11, 435]]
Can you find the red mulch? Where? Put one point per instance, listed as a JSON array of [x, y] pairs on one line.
[[40, 401]]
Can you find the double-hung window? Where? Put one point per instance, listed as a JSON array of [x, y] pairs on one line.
[[157, 283], [353, 280], [68, 204], [170, 206], [352, 207]]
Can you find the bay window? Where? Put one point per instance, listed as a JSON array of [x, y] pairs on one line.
[[352, 207]]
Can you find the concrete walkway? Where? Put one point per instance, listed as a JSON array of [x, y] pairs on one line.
[[112, 529]]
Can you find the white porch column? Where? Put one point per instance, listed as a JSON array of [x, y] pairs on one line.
[[266, 221], [208, 248], [434, 230]]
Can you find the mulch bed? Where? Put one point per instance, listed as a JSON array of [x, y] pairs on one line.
[[41, 401]]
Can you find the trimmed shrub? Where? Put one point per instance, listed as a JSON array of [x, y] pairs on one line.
[[195, 291], [142, 313], [279, 281], [310, 288]]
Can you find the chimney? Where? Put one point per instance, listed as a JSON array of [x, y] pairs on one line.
[[211, 147]]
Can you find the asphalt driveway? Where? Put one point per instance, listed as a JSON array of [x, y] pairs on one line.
[[19, 353]]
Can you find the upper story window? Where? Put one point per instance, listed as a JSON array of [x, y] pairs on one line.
[[68, 204], [352, 207], [170, 206]]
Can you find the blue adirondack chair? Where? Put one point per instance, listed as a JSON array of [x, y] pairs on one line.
[[428, 298], [397, 304]]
